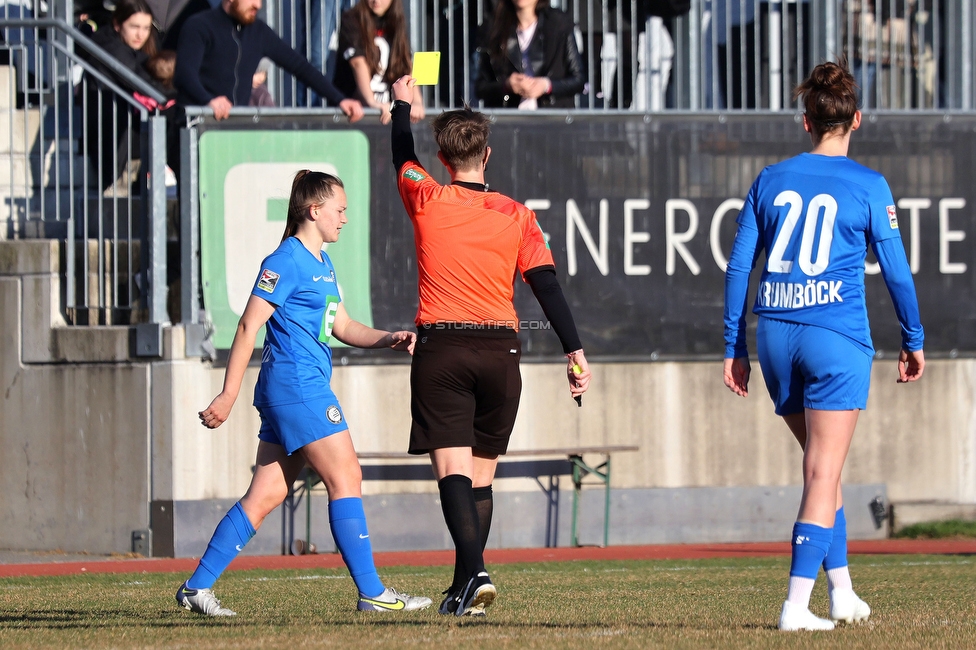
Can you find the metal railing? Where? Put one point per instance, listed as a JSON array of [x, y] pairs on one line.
[[59, 112], [722, 55], [75, 153]]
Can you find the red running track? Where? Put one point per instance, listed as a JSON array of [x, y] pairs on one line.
[[502, 556]]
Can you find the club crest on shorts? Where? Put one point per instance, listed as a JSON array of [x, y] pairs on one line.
[[268, 280], [335, 417], [892, 217]]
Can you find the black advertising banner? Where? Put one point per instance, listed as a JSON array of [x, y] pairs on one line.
[[640, 215]]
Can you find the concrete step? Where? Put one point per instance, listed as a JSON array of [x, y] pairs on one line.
[[63, 146], [27, 219], [56, 206], [33, 171], [7, 97], [19, 130]]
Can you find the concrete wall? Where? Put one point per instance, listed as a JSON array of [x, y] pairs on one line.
[[98, 449], [918, 439], [74, 472]]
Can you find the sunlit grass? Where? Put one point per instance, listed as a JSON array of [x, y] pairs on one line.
[[918, 602]]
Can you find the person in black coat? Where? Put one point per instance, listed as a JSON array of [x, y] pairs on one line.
[[530, 59], [129, 39], [219, 51]]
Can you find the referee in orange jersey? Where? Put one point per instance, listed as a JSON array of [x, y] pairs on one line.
[[464, 378]]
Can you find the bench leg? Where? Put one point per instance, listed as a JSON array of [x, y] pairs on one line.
[[577, 485], [606, 503], [602, 472], [308, 512]]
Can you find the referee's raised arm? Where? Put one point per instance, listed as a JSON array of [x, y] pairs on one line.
[[402, 137]]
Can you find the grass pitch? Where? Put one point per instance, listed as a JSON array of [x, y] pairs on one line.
[[918, 602]]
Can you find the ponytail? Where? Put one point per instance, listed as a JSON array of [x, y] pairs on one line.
[[309, 188]]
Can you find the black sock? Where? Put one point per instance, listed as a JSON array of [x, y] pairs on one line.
[[461, 516], [483, 501]]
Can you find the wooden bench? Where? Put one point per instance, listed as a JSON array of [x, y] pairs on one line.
[[568, 461]]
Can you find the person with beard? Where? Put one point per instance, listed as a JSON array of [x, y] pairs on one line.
[[218, 54]]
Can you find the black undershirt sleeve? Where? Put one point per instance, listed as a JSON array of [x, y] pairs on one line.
[[547, 291], [402, 139]]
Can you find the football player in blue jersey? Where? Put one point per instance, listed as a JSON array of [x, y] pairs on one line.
[[815, 215], [297, 297]]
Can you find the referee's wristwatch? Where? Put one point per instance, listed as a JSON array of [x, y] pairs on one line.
[[397, 103]]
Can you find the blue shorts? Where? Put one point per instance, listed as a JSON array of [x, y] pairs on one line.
[[811, 367], [295, 425]]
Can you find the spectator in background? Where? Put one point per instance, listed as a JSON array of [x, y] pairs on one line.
[[319, 37], [131, 41], [880, 41], [218, 54], [92, 15], [655, 52], [530, 59], [162, 68], [374, 49], [859, 42], [260, 95], [735, 30]]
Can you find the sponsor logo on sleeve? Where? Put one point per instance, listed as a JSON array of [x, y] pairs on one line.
[[335, 417], [892, 217], [413, 175], [268, 280]]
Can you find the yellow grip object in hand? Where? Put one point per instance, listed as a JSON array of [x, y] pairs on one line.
[[579, 371]]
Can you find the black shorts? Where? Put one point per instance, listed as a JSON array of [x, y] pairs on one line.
[[464, 388]]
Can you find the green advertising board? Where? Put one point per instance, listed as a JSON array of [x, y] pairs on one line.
[[245, 181]]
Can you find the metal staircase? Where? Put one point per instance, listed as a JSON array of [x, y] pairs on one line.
[[54, 144]]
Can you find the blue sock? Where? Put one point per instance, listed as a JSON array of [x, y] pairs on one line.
[[810, 544], [347, 519], [837, 553], [233, 532]]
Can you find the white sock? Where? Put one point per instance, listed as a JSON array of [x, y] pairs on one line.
[[800, 590], [839, 578]]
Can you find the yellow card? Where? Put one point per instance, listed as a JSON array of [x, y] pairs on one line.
[[426, 68]]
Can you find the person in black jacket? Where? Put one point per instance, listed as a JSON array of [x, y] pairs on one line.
[[131, 41], [374, 51], [530, 59], [219, 51]]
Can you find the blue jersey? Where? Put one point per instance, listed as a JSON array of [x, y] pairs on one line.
[[296, 363], [815, 216]]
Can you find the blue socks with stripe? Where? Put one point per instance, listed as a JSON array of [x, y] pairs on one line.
[[835, 563], [837, 553], [347, 519], [810, 546], [232, 533]]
